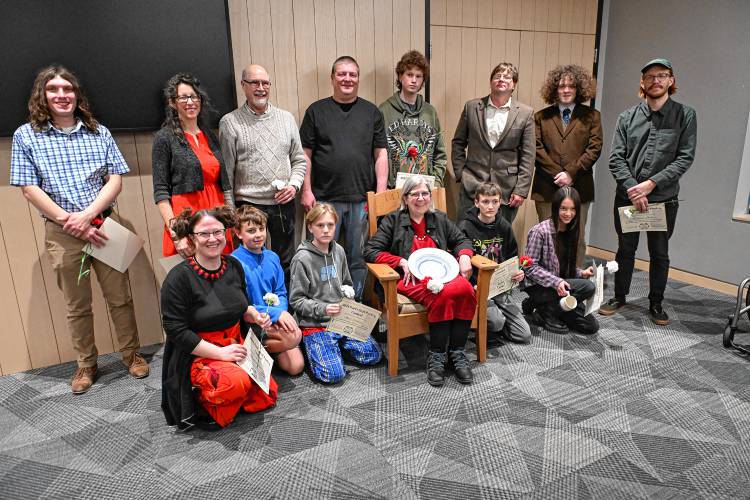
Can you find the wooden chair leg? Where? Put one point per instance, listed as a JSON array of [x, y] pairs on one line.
[[482, 333]]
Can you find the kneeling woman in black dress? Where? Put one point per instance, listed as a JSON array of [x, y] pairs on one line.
[[204, 307], [552, 244]]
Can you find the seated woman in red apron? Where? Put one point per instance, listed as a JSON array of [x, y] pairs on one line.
[[449, 312], [204, 305]]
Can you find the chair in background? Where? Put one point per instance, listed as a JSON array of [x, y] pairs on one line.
[[405, 318]]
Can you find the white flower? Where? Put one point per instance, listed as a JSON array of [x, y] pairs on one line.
[[271, 299], [434, 286], [347, 291], [629, 213], [278, 185], [612, 266]]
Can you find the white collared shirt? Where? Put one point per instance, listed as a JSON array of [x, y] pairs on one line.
[[495, 119]]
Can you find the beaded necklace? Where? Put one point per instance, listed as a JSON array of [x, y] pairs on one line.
[[209, 275]]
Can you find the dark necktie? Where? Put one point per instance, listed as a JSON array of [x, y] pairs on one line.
[[566, 116]]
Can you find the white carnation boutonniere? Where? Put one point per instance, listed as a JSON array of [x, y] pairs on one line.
[[271, 299], [347, 291], [612, 266], [629, 212], [433, 286], [278, 185]]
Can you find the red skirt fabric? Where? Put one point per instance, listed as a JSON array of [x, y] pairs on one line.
[[455, 301], [224, 387]]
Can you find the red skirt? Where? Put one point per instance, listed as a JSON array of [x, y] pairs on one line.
[[224, 387], [455, 301]]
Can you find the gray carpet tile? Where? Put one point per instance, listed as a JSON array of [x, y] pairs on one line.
[[636, 411]]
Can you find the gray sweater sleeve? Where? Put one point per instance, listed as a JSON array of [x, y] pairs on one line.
[[296, 155], [300, 292], [227, 141]]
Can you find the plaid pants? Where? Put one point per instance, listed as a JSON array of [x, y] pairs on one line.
[[323, 350]]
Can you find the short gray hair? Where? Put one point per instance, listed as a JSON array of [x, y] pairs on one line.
[[411, 182]]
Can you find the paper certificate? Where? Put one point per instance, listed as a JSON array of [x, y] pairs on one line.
[[593, 303], [119, 249], [633, 221], [402, 176], [355, 320], [501, 279], [258, 362]]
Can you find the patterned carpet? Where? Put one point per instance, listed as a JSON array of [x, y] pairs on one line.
[[636, 411]]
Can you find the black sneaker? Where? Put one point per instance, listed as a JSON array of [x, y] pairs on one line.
[[526, 306], [657, 314], [436, 368], [612, 306], [550, 321], [461, 366]]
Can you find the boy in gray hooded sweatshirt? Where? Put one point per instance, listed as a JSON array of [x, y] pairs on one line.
[[319, 280]]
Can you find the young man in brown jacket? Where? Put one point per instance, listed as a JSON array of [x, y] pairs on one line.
[[568, 143]]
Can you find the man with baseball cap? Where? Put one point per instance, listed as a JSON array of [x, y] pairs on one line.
[[653, 146]]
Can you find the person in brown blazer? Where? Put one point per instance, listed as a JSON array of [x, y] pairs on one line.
[[494, 142], [568, 143]]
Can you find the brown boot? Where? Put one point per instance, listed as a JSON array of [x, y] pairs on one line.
[[137, 366], [83, 379]]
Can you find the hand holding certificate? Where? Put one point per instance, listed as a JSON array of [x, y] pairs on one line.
[[633, 221], [355, 320], [257, 363], [502, 278], [120, 249]]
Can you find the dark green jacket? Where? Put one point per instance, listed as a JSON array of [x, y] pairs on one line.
[[415, 139]]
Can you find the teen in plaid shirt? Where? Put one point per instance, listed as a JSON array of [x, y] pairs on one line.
[[68, 166], [552, 244]]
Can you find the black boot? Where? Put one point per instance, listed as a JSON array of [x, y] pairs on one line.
[[547, 318], [461, 366], [657, 314], [436, 368]]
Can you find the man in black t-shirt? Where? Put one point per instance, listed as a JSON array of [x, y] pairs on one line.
[[344, 139]]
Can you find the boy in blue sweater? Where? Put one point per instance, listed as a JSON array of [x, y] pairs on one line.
[[266, 291]]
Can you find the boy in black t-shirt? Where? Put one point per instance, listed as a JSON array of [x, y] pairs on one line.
[[492, 237]]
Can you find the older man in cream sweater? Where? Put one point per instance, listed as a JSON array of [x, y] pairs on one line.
[[265, 162]]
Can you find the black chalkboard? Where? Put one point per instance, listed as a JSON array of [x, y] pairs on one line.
[[122, 51]]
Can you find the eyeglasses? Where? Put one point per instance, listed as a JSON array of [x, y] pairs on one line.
[[421, 194], [219, 234], [505, 76], [258, 83], [659, 76], [183, 99]]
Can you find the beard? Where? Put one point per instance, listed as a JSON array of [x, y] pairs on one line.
[[655, 92]]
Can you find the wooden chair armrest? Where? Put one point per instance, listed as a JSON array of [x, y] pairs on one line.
[[383, 273], [483, 263]]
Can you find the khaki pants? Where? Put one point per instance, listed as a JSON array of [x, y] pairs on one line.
[[544, 211], [65, 252]]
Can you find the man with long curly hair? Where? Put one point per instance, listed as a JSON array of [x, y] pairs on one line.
[[68, 166], [568, 143]]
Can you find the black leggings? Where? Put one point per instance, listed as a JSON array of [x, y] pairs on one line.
[[454, 333]]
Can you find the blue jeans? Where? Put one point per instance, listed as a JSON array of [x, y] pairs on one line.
[[352, 218]]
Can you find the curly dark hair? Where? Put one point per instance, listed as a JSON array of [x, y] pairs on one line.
[[171, 117], [39, 114], [584, 82], [412, 58]]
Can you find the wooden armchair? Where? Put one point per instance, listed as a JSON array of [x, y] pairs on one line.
[[404, 317]]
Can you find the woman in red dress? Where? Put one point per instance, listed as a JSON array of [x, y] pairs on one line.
[[188, 171], [204, 306], [450, 311]]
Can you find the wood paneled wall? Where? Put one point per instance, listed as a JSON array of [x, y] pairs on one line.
[[470, 37], [296, 40]]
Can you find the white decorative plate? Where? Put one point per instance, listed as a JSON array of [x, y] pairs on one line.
[[435, 263]]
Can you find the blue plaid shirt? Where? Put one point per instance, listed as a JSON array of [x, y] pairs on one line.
[[70, 168]]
